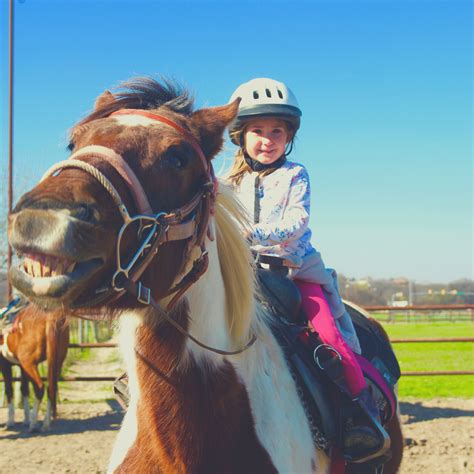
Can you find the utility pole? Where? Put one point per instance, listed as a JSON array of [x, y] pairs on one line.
[[410, 293], [10, 137]]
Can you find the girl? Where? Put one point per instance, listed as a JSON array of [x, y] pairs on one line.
[[276, 192]]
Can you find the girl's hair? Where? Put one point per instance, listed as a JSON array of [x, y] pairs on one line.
[[240, 166]]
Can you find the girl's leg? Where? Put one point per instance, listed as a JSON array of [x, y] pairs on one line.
[[363, 436], [319, 314]]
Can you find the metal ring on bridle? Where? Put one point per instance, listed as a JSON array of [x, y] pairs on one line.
[[325, 346], [157, 228]]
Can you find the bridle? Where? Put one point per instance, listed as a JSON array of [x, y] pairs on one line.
[[154, 229]]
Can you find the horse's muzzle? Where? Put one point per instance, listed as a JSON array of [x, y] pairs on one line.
[[57, 252]]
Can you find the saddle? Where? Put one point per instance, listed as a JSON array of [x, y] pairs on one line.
[[317, 369], [9, 320]]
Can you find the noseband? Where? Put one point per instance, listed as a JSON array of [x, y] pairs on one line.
[[154, 229]]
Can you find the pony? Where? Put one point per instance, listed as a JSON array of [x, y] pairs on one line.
[[36, 337], [146, 234]]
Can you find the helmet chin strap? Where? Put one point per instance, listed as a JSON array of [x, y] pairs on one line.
[[257, 166]]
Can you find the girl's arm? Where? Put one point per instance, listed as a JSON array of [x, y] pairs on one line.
[[296, 215]]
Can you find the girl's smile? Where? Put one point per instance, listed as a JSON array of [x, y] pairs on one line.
[[266, 139]]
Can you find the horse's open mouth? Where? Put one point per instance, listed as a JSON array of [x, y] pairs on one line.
[[41, 265], [40, 274]]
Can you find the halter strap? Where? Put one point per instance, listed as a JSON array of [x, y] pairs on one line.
[[123, 169]]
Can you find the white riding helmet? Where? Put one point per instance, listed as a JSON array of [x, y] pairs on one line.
[[267, 97]]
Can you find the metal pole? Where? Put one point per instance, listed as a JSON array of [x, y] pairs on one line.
[[410, 293], [10, 139]]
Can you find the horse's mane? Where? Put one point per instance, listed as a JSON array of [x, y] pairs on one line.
[[145, 93], [235, 261]]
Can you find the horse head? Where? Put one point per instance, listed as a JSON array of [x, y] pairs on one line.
[[143, 151]]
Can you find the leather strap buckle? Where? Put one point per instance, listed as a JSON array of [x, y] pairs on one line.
[[143, 294]]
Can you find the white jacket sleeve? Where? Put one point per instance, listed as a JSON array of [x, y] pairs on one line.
[[295, 217]]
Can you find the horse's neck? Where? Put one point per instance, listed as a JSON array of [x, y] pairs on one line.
[[207, 312], [176, 387], [156, 349], [242, 403]]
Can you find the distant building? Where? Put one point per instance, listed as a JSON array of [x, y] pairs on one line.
[[399, 304]]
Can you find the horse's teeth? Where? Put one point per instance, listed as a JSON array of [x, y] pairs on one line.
[[36, 268], [47, 267], [58, 269], [29, 266]]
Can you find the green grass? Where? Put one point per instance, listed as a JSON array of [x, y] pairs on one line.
[[440, 356]]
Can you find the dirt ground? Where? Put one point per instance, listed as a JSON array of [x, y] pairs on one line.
[[439, 433]]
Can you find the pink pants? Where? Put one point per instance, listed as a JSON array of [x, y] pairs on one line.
[[319, 315]]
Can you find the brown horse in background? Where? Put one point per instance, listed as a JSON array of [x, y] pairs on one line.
[[36, 337], [144, 233]]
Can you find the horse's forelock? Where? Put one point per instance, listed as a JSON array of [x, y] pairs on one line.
[[147, 94]]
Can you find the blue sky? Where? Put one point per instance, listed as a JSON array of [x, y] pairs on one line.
[[385, 88]]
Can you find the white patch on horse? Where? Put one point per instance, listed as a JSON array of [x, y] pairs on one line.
[[129, 323], [34, 415], [59, 222], [280, 421], [207, 313], [5, 350], [26, 411], [134, 120], [47, 418], [11, 415]]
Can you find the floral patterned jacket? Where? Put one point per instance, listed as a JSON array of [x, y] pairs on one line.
[[284, 196]]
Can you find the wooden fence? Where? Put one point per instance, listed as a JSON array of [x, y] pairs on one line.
[[468, 308]]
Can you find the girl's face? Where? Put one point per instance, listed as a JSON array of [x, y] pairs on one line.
[[266, 139]]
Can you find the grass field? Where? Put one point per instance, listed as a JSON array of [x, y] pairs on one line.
[[440, 356], [413, 357]]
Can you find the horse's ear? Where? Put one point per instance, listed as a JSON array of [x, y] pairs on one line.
[[105, 99], [211, 124]]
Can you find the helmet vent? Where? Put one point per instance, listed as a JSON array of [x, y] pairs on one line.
[[255, 94], [280, 93], [267, 91]]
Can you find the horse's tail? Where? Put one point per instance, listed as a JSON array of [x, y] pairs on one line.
[[57, 334]]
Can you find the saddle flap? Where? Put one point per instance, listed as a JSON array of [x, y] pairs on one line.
[[280, 293], [375, 346]]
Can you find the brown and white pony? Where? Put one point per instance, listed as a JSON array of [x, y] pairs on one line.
[[192, 409], [37, 337]]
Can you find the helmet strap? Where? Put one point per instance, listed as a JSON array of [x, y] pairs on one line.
[[257, 166]]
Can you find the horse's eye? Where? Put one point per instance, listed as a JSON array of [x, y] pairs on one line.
[[175, 161]]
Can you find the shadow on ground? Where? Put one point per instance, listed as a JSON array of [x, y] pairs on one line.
[[416, 412], [108, 421]]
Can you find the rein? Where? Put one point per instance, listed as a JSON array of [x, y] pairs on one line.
[[155, 229]]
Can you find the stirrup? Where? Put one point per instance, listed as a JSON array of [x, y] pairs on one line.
[[374, 422]]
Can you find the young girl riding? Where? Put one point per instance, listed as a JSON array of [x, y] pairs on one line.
[[276, 193]]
